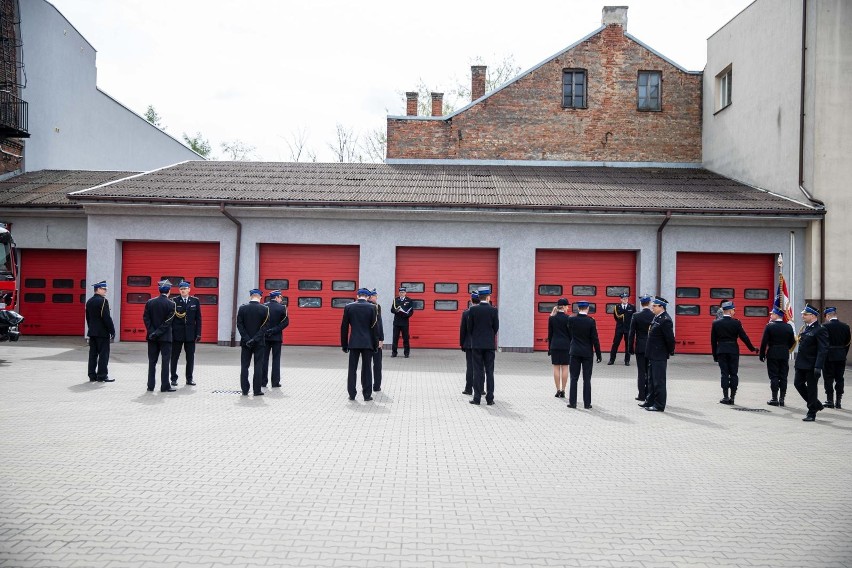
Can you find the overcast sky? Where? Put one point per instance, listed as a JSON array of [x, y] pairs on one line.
[[260, 70]]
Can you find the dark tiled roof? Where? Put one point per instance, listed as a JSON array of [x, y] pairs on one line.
[[445, 185], [49, 188]]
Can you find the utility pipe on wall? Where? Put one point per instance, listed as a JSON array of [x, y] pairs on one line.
[[660, 251], [239, 225]]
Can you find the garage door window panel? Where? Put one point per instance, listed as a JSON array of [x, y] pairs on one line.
[[139, 281], [277, 284], [475, 286], [173, 280], [687, 310], [414, 287], [446, 305], [584, 290], [63, 298], [341, 302], [35, 283], [310, 302], [756, 294], [549, 290], [546, 307], [137, 297], [34, 298], [63, 283], [208, 299], [688, 293], [756, 312], [343, 286], [617, 291], [206, 282], [722, 293]]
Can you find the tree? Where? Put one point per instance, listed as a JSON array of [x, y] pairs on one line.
[[198, 144], [345, 147], [237, 151], [297, 145], [375, 145], [153, 117]]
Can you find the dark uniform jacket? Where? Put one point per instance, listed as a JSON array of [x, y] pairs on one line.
[[584, 336], [252, 322], [623, 317], [723, 336], [661, 339], [813, 347], [187, 323], [158, 317], [380, 327], [97, 317], [279, 319], [558, 336], [482, 325], [402, 310], [464, 336], [778, 339], [838, 340], [639, 325], [362, 317]]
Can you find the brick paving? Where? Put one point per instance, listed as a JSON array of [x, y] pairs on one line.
[[110, 475]]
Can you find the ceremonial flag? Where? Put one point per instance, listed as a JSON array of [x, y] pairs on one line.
[[782, 296]]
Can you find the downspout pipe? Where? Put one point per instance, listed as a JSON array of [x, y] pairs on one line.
[[804, 191], [660, 251], [239, 225]]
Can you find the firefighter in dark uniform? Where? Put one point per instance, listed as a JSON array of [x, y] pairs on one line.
[[186, 331], [810, 360], [252, 322], [158, 317], [835, 362], [380, 330], [775, 346], [726, 351], [402, 310], [584, 341], [636, 340], [100, 332], [659, 347], [483, 323], [559, 345], [623, 315], [279, 319], [464, 343], [359, 336]]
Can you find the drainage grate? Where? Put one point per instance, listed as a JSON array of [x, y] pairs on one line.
[[226, 392], [751, 409]]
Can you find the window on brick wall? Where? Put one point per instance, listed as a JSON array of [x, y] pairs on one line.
[[723, 88], [648, 90], [574, 88]]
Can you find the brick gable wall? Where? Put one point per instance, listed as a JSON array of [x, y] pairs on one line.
[[526, 121]]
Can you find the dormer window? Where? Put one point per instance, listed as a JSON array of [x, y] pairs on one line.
[[573, 88]]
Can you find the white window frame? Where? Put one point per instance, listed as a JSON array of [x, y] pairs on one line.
[[724, 84]]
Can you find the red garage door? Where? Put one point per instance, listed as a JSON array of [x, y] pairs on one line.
[[316, 281], [704, 280], [53, 292], [598, 277], [439, 281], [146, 263]]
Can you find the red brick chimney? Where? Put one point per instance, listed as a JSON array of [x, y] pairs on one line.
[[437, 104], [411, 103], [614, 16], [477, 81]]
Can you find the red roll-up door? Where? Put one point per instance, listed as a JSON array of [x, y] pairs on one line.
[[144, 264], [595, 276], [704, 280], [317, 281], [53, 292], [439, 281]]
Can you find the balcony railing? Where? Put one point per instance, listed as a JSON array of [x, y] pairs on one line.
[[13, 116]]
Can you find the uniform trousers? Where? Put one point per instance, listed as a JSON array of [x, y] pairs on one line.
[[778, 369], [483, 373], [159, 350], [273, 352], [657, 383], [99, 358], [729, 365], [806, 383], [253, 355], [188, 348], [832, 374], [468, 370], [616, 342], [377, 369], [642, 376], [406, 347], [366, 357], [586, 363]]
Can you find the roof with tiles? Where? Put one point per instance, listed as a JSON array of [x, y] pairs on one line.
[[50, 188], [445, 185]]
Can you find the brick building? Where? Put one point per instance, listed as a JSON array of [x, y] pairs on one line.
[[606, 98]]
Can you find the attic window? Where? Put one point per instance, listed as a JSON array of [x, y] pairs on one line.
[[573, 88]]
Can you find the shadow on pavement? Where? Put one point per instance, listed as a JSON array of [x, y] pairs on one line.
[[673, 411], [250, 401], [88, 386], [503, 410], [599, 412], [148, 398], [369, 407]]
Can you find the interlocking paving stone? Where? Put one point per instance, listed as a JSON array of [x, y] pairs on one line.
[[110, 475]]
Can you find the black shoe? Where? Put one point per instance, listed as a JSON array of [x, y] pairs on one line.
[[627, 363], [474, 402], [809, 417], [150, 390], [107, 380], [467, 392], [393, 354], [558, 394], [351, 398], [489, 402], [726, 400], [368, 398], [587, 406], [653, 408], [828, 404], [168, 390], [259, 393], [278, 386], [611, 363], [174, 382], [639, 398], [264, 385], [406, 356], [572, 405], [837, 405], [245, 393], [377, 389], [773, 402], [781, 401], [645, 405], [93, 379], [561, 394], [190, 383]]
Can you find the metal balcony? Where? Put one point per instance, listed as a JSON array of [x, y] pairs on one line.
[[13, 116]]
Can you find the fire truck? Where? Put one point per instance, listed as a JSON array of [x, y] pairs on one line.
[[9, 319]]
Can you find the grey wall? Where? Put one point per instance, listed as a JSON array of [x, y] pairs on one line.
[[47, 231], [72, 124]]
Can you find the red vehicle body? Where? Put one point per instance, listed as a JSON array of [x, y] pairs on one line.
[[8, 270]]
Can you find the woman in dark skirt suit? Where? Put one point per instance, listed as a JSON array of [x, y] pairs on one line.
[[558, 344]]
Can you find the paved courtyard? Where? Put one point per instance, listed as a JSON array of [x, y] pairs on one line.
[[110, 475]]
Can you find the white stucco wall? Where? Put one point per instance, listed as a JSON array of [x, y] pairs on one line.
[[72, 124]]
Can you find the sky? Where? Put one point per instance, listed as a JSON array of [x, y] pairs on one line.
[[262, 71]]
